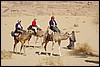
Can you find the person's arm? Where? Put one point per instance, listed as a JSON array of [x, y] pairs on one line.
[[51, 23], [55, 22], [16, 26], [19, 26]]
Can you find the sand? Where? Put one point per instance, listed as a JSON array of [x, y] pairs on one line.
[[67, 14]]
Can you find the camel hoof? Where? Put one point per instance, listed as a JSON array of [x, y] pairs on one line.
[[51, 54], [34, 47], [46, 54], [39, 53], [20, 53], [13, 51], [60, 55]]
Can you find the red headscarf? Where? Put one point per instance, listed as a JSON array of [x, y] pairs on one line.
[[52, 17]]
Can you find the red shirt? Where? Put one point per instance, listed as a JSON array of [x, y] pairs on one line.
[[34, 23]]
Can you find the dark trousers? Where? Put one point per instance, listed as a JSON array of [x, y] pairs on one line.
[[55, 29], [19, 31], [34, 31], [71, 45]]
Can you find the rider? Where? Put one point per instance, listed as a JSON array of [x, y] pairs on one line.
[[35, 26], [18, 27], [53, 25]]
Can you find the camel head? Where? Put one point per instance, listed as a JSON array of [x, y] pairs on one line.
[[40, 33], [66, 35]]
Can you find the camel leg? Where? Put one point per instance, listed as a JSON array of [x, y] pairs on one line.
[[22, 45], [24, 50], [41, 40], [45, 47], [41, 48], [52, 47], [28, 43], [16, 41], [59, 47], [21, 48], [36, 41], [29, 40]]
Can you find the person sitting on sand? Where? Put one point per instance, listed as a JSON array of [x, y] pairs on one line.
[[53, 25]]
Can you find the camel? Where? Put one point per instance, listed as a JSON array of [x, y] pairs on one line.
[[53, 37], [22, 38], [40, 35]]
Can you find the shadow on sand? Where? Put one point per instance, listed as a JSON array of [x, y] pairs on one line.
[[92, 61], [17, 53], [65, 48], [43, 53], [33, 46]]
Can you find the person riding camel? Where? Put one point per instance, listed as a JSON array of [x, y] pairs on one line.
[[53, 25], [18, 27], [35, 27]]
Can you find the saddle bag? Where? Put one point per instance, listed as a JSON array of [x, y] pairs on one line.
[[14, 34]]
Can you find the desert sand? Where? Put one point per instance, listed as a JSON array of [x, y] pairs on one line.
[[67, 13]]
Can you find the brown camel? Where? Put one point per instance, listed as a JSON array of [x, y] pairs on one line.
[[39, 35], [53, 37], [22, 38]]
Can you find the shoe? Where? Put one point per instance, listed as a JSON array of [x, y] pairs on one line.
[[70, 47]]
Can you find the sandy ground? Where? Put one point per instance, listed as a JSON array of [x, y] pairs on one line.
[[88, 32]]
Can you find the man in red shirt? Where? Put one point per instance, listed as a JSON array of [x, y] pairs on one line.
[[34, 23], [34, 26]]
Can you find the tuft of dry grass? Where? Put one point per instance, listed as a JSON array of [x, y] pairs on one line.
[[77, 31], [83, 50], [6, 54], [51, 61], [75, 25]]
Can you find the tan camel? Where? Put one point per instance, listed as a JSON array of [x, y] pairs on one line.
[[22, 38], [39, 35], [53, 37]]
